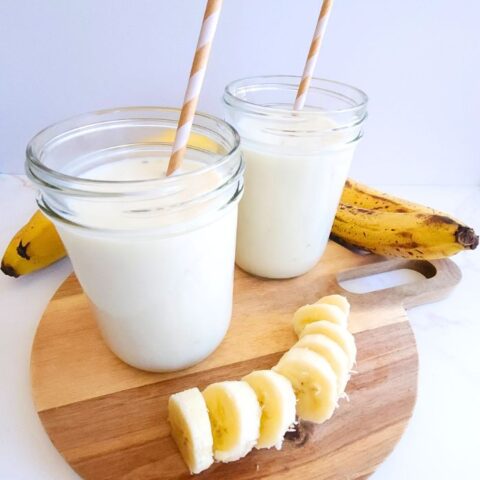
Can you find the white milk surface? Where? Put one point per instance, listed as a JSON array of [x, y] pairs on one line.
[[292, 189], [162, 302]]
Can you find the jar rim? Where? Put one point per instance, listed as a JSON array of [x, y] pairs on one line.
[[232, 98], [51, 178]]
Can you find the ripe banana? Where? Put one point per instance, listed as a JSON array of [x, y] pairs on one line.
[[190, 428], [338, 334], [315, 312], [35, 246], [332, 353], [391, 226], [314, 382], [408, 235], [277, 400], [234, 417]]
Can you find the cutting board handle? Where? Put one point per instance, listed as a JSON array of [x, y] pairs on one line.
[[441, 276]]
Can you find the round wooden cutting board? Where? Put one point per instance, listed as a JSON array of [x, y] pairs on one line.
[[109, 420]]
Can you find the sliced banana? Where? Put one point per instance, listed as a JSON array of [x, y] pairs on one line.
[[277, 400], [338, 300], [332, 353], [314, 382], [315, 312], [235, 418], [340, 335], [190, 428]]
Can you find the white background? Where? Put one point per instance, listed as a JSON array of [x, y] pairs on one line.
[[417, 60]]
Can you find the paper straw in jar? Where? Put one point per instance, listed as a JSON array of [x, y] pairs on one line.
[[313, 54], [195, 82]]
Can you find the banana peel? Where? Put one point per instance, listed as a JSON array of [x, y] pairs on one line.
[[415, 234], [35, 246]]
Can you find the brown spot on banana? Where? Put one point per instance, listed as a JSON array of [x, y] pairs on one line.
[[22, 250], [366, 211], [389, 208], [405, 246], [438, 220]]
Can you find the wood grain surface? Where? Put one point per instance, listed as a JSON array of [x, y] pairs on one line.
[[109, 420]]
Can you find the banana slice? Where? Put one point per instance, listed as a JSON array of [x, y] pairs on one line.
[[315, 312], [190, 428], [314, 383], [338, 300], [340, 335], [235, 418], [277, 400], [332, 353]]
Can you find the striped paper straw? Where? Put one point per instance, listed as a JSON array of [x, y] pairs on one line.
[[313, 54], [195, 82]]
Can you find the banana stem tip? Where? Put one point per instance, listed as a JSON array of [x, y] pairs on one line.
[[466, 237], [9, 270]]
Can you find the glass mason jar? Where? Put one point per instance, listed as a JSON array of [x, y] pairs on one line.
[[296, 164], [154, 254]]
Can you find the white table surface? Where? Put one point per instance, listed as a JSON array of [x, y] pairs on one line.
[[441, 441]]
